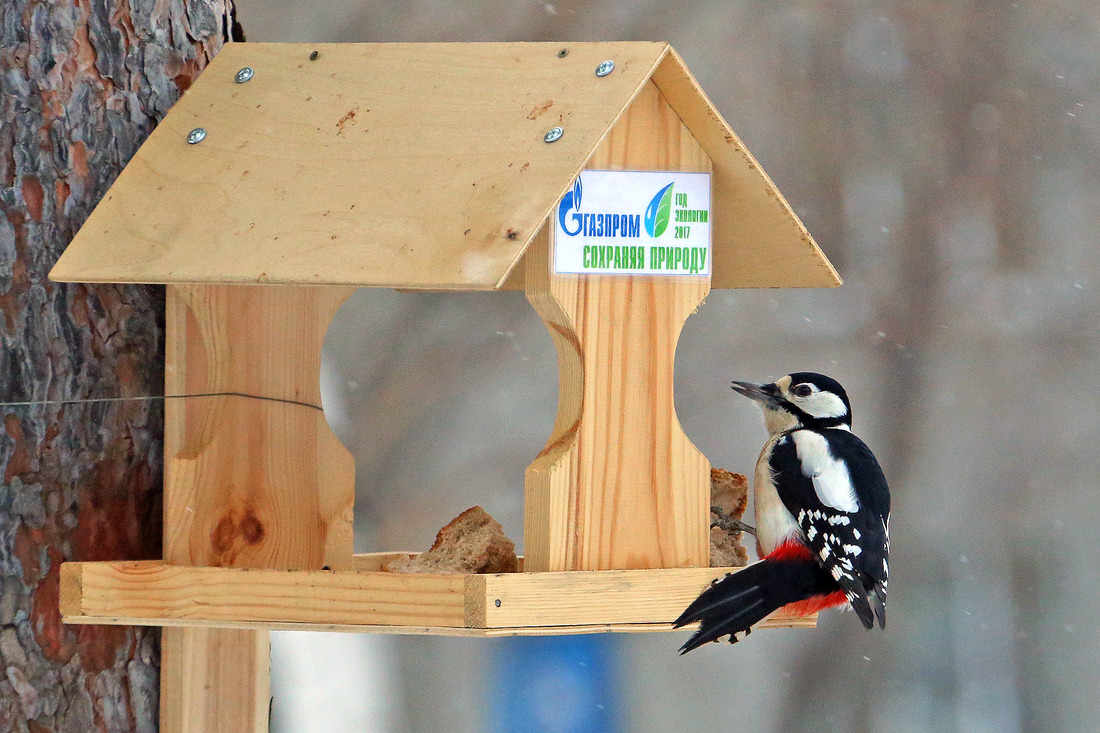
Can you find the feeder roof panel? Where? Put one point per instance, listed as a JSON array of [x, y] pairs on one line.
[[406, 165]]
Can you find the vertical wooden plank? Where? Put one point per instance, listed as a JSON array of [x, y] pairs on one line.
[[255, 480], [619, 485], [214, 680]]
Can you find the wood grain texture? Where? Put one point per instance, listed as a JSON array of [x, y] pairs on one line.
[[593, 598], [157, 593], [397, 165], [157, 590], [407, 165], [240, 671], [619, 485], [82, 84], [759, 242], [248, 482]]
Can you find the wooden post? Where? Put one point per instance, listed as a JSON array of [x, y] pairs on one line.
[[256, 481], [619, 485]]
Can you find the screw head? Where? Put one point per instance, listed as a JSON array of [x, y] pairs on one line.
[[497, 603], [605, 68], [196, 136], [553, 134], [244, 75], [313, 56], [563, 53]]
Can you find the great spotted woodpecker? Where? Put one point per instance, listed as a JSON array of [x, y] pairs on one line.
[[822, 517]]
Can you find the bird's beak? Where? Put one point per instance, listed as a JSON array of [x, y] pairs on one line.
[[765, 393]]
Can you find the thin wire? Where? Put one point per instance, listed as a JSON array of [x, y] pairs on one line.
[[88, 400]]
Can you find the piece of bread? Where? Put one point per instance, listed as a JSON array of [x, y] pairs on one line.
[[730, 493], [473, 542]]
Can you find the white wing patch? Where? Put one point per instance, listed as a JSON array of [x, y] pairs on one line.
[[832, 483]]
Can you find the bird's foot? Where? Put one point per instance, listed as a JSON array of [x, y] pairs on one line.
[[730, 524]]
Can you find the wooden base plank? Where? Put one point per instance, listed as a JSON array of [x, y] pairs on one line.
[[807, 622], [177, 593], [593, 597], [159, 594]]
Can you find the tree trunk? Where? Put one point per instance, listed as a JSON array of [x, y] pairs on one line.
[[82, 83]]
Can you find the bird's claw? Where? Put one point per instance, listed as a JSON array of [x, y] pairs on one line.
[[730, 524]]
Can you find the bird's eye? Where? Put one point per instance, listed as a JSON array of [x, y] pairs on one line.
[[803, 390]]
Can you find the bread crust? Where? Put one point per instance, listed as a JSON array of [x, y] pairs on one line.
[[472, 542], [729, 492]]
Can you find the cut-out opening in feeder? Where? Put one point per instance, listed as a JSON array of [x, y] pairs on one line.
[[429, 167]]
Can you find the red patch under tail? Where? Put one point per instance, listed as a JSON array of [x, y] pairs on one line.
[[789, 550], [793, 549], [815, 604]]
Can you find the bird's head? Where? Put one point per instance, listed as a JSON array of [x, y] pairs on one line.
[[802, 399]]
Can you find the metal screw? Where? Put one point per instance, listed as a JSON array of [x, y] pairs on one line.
[[605, 68], [553, 134], [313, 56], [497, 603], [563, 53], [244, 75], [196, 136]]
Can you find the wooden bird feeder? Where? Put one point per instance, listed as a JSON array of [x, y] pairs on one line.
[[424, 167]]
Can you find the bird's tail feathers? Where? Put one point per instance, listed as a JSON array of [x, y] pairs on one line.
[[878, 603], [742, 599], [861, 604], [869, 605]]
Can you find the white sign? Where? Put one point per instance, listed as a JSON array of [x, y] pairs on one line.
[[634, 223]]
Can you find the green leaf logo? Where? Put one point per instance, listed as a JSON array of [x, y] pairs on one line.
[[657, 213]]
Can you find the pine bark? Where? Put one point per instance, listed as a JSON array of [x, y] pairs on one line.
[[82, 83]]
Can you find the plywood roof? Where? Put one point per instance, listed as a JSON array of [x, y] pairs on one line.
[[406, 165]]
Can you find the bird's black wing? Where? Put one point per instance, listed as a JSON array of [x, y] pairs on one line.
[[833, 486]]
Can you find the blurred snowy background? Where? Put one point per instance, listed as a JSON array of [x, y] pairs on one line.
[[944, 154]]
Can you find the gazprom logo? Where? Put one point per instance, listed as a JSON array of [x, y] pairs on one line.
[[571, 202], [572, 221], [658, 211]]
